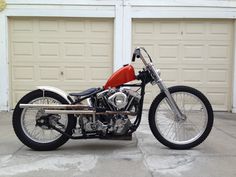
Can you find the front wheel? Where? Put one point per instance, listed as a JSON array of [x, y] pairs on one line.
[[181, 133]]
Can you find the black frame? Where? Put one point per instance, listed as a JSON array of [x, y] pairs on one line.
[[145, 78], [140, 106]]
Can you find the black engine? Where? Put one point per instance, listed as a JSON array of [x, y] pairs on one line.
[[111, 100]]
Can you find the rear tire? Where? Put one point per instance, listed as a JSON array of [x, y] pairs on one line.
[[29, 140], [180, 128]]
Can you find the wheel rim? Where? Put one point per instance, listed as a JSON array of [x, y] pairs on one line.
[[183, 131], [37, 133]]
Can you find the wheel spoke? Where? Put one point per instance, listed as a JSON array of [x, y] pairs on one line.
[[170, 129], [181, 131], [41, 134]]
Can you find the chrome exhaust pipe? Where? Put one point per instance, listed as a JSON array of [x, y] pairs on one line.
[[117, 112], [69, 112], [89, 112], [55, 106], [72, 109]]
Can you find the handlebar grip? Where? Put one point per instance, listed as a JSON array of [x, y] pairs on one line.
[[134, 56]]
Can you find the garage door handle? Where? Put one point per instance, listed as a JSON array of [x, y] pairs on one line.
[[62, 73]]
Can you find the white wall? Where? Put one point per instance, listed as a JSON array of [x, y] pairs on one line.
[[4, 81], [234, 73], [121, 10]]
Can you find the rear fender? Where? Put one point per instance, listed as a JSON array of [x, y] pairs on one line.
[[57, 91]]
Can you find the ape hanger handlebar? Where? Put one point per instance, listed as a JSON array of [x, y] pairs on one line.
[[138, 54]]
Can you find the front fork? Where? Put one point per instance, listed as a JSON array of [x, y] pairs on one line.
[[170, 100], [157, 80]]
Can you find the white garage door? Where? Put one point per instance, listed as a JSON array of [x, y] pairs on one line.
[[196, 53], [69, 53]]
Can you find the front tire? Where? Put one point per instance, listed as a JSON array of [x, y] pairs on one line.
[[40, 138], [181, 134]]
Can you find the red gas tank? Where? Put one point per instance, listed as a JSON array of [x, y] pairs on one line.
[[121, 76]]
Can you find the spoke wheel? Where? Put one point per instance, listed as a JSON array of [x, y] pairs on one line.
[[186, 132], [38, 135], [41, 134]]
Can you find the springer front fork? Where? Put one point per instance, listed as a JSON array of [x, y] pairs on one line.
[[170, 100]]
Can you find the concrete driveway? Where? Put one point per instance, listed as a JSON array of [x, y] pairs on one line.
[[144, 156]]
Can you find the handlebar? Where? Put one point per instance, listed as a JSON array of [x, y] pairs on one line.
[[137, 54], [133, 57]]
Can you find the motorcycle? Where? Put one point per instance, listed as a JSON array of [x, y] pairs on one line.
[[180, 117]]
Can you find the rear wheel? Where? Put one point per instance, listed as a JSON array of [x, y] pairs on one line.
[[30, 124], [184, 133]]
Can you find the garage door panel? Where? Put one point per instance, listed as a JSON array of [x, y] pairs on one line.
[[217, 76], [207, 30], [194, 52], [194, 28], [168, 30], [23, 73], [73, 63], [144, 27], [168, 52], [151, 48], [99, 26], [220, 30], [197, 53], [22, 25], [22, 48], [74, 49], [147, 29], [192, 75], [72, 54], [73, 73], [18, 94], [219, 53], [143, 31], [170, 75], [49, 49], [99, 74], [100, 50], [48, 25], [97, 51], [99, 59], [218, 98], [49, 73], [74, 26]]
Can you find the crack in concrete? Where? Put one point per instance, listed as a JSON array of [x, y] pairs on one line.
[[143, 157], [224, 116], [83, 163], [186, 161], [232, 136], [14, 153], [182, 163]]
